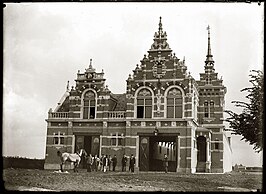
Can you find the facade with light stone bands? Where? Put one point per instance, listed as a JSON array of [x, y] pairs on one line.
[[162, 103]]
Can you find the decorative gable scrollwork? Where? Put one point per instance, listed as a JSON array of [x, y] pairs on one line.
[[159, 68]]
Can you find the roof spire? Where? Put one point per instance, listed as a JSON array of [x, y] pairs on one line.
[[209, 55], [160, 27], [67, 88], [160, 40], [90, 67]]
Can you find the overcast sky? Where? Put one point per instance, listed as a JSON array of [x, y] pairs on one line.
[[45, 44]]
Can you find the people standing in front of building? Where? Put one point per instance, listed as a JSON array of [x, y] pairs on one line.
[[89, 163], [101, 162], [165, 163], [105, 163], [96, 162], [109, 162], [93, 164], [114, 162], [124, 163], [132, 162]]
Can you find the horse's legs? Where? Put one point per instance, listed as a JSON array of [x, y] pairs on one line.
[[76, 167], [61, 167]]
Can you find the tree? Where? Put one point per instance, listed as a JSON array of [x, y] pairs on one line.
[[249, 123]]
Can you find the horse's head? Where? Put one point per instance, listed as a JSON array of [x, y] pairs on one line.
[[84, 153]]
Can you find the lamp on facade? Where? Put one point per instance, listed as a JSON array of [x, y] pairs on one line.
[[156, 131]]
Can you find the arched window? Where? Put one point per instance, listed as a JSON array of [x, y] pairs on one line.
[[174, 103], [89, 105], [144, 104]]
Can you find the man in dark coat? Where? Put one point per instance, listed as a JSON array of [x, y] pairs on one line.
[[114, 160], [165, 163], [132, 162], [89, 163], [124, 163]]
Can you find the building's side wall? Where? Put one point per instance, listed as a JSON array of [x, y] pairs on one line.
[[227, 155]]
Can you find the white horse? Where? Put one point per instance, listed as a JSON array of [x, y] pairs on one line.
[[75, 158]]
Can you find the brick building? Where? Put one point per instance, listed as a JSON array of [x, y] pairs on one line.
[[163, 111]]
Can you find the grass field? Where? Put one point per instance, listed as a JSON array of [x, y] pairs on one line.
[[49, 180]]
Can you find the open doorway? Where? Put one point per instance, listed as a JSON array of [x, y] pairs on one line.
[[89, 143], [152, 150]]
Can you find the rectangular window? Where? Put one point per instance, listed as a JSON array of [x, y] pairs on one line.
[[140, 112], [92, 103], [92, 112], [86, 103], [119, 143], [85, 112], [113, 141], [170, 111], [167, 151], [216, 146], [206, 112], [178, 101], [61, 140], [56, 140], [178, 112], [140, 102], [160, 149], [212, 109], [170, 101], [148, 102], [148, 112]]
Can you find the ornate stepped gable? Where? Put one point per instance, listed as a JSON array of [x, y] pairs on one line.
[[161, 66]]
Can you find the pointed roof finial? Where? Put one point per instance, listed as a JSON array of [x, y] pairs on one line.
[[90, 64], [209, 55], [160, 26], [67, 88]]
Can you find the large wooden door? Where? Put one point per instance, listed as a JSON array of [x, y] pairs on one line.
[[95, 145], [144, 154]]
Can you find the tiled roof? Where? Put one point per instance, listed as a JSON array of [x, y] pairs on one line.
[[121, 102]]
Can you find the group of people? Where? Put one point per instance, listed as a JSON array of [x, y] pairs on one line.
[[107, 163]]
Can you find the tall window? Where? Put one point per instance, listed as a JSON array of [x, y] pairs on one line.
[[174, 104], [209, 109], [144, 104], [89, 105], [206, 109]]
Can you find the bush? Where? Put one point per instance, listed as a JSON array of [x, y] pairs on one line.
[[26, 163]]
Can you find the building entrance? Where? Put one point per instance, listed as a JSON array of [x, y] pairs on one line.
[[152, 150], [91, 144]]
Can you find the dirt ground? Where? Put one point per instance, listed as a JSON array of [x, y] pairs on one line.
[[49, 180]]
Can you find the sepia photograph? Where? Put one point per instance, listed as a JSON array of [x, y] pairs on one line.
[[133, 96]]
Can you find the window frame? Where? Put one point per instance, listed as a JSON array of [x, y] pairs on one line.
[[144, 105], [89, 105], [175, 103]]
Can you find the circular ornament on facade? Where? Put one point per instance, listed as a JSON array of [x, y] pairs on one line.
[[96, 140], [159, 69], [90, 75], [144, 141]]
